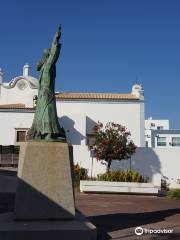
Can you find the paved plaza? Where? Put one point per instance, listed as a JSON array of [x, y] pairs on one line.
[[116, 216]]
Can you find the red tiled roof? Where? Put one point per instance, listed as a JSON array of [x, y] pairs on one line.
[[78, 96], [107, 96], [14, 106]]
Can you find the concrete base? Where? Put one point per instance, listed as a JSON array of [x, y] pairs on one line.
[[44, 184], [118, 187], [79, 229]]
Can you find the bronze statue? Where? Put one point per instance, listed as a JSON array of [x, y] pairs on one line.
[[45, 125]]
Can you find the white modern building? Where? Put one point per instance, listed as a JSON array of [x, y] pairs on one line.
[[158, 134], [154, 124], [165, 138], [77, 112]]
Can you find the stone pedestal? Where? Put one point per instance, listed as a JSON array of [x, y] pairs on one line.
[[44, 186]]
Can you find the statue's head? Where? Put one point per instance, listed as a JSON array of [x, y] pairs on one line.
[[44, 58]]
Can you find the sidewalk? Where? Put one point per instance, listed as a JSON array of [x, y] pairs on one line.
[[117, 216]]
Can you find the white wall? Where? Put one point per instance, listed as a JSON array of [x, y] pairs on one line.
[[74, 125], [156, 163], [15, 95], [170, 164], [126, 113], [78, 118], [9, 121]]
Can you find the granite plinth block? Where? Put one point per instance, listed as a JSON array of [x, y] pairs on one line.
[[44, 184]]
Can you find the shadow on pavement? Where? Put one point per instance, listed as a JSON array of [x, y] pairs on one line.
[[5, 172], [7, 202], [114, 222]]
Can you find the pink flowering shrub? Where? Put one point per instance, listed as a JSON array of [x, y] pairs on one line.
[[112, 142]]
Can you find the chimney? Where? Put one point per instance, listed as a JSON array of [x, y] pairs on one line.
[[26, 70], [138, 91]]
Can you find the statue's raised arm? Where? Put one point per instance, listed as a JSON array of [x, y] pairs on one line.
[[55, 48]]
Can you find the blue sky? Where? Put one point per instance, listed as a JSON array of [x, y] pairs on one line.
[[107, 46]]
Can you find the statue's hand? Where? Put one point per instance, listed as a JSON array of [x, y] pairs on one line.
[[57, 37], [58, 33]]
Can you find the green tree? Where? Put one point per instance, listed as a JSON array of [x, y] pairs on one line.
[[112, 142]]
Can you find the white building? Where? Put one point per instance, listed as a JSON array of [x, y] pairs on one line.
[[158, 134], [154, 124], [165, 138], [77, 112]]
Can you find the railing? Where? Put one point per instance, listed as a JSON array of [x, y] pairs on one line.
[[9, 155]]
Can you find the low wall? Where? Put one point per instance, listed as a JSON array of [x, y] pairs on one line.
[[156, 163], [117, 187]]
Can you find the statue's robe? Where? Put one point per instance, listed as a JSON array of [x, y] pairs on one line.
[[45, 119]]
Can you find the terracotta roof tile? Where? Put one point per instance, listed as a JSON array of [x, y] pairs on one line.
[[110, 96], [78, 96], [14, 106]]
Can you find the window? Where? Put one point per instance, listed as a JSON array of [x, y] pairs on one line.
[[20, 136], [89, 139], [160, 127], [175, 141], [161, 141]]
